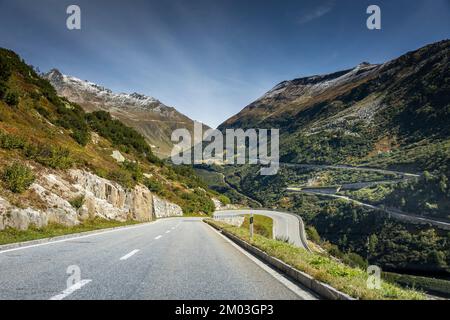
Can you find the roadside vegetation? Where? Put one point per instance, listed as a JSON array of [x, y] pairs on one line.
[[350, 280], [262, 225], [17, 177]]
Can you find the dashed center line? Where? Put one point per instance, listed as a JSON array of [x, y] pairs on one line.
[[168, 231], [158, 237], [129, 255], [71, 290]]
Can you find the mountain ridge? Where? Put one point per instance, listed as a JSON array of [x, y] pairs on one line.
[[376, 108], [149, 116]]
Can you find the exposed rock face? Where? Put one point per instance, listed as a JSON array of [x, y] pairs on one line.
[[220, 206], [164, 209], [109, 200], [102, 198], [20, 219]]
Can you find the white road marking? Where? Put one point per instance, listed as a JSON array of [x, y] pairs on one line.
[[168, 231], [71, 290], [158, 237], [129, 255], [78, 237]]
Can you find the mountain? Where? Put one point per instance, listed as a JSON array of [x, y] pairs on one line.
[[391, 114], [153, 119], [59, 164]]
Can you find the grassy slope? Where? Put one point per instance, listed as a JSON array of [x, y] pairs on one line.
[[43, 120], [261, 225]]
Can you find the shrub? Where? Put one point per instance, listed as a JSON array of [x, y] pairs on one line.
[[224, 199], [80, 136], [313, 235], [9, 141], [134, 169], [50, 156], [77, 202], [122, 177], [153, 185], [12, 99], [196, 202], [3, 89], [18, 177]]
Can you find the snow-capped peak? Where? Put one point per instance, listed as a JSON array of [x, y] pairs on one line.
[[318, 83], [78, 89]]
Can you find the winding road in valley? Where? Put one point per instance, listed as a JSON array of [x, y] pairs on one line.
[[395, 213], [286, 226], [406, 175], [175, 258]]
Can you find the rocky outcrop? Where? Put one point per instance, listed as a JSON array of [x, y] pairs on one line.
[[118, 156], [220, 206], [20, 219], [164, 209], [100, 198]]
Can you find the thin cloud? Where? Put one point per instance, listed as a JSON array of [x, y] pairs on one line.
[[316, 13]]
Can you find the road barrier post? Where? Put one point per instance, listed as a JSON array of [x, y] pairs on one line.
[[251, 226]]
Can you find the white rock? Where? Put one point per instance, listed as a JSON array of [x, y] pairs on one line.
[[164, 209], [118, 156]]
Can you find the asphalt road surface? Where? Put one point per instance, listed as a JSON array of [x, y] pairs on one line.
[[285, 225], [170, 259]]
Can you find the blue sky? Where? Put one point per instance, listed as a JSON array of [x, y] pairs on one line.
[[210, 58]]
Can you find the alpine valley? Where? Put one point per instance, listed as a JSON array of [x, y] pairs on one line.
[[365, 160]]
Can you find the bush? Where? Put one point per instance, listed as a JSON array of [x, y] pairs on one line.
[[196, 202], [153, 185], [10, 142], [12, 99], [80, 136], [122, 177], [3, 89], [134, 169], [50, 156], [313, 235], [224, 199], [18, 177], [77, 202]]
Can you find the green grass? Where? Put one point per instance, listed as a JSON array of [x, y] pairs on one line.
[[349, 280], [261, 225], [10, 235]]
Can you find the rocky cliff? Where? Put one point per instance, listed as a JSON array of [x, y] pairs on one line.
[[98, 197]]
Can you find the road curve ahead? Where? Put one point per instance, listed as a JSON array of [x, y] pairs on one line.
[[285, 225], [170, 259]]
